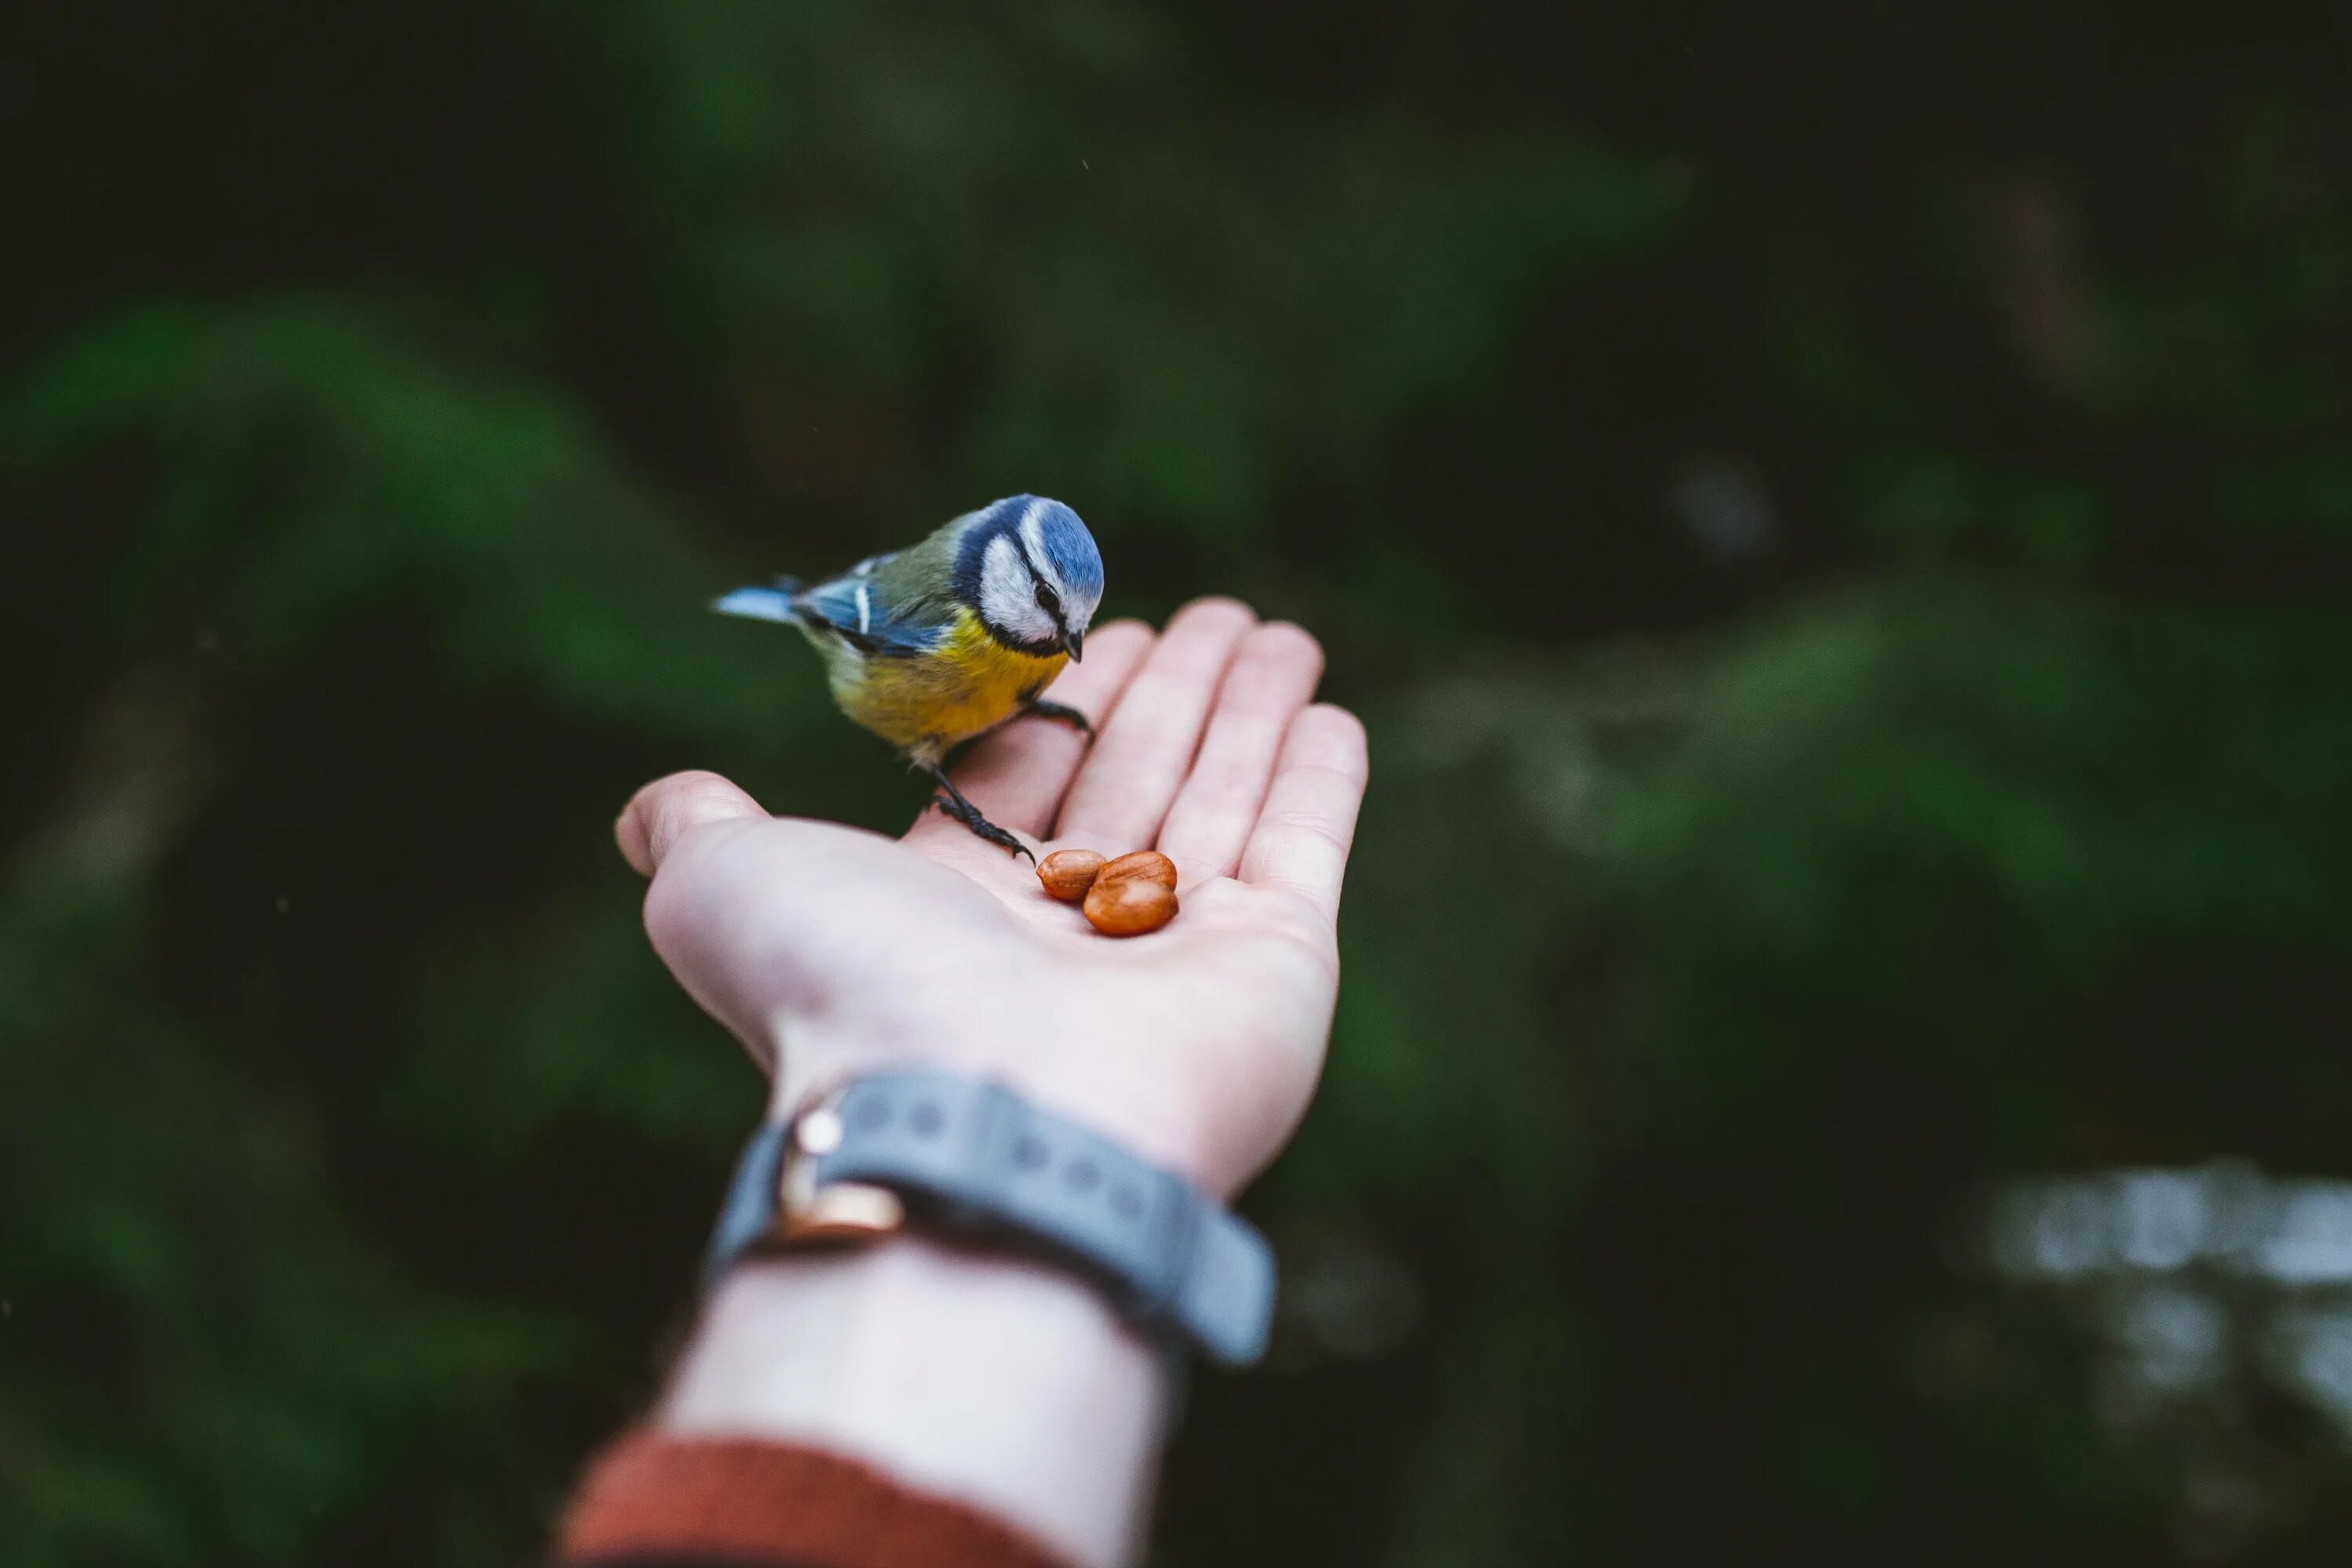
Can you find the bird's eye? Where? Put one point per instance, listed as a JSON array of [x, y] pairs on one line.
[[1049, 601]]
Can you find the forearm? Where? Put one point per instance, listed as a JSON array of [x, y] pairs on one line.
[[1009, 1385]]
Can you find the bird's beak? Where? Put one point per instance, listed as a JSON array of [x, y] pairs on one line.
[[1075, 642]]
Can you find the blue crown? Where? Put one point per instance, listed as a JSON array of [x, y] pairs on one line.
[[1062, 541]]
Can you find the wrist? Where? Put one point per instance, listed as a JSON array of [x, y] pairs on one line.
[[989, 1379]]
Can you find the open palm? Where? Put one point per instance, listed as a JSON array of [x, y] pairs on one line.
[[829, 951]]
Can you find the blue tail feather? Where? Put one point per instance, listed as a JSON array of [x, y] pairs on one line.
[[773, 604]]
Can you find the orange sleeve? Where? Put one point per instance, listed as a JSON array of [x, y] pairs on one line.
[[685, 1503]]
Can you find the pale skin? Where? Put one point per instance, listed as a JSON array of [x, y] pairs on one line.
[[829, 951]]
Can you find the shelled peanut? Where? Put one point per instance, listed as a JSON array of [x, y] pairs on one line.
[[1127, 897], [1068, 873]]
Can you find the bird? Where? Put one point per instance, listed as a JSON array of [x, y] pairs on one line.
[[930, 646]]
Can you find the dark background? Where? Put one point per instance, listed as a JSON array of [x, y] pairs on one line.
[[1838, 518]]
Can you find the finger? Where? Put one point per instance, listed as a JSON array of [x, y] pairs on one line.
[[1272, 676], [1124, 786], [1018, 775], [658, 813], [1302, 836]]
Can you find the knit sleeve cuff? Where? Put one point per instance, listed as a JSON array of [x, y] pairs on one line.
[[746, 1503]]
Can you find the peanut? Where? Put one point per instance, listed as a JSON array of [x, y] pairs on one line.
[[1132, 905], [1067, 874], [1149, 865]]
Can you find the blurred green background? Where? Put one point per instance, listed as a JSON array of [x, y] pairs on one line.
[[1838, 519]]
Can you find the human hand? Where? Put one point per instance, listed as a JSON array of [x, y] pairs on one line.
[[830, 952]]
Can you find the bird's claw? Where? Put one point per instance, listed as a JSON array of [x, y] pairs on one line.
[[1066, 714], [969, 816]]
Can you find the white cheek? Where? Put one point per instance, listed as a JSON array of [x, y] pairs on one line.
[[1008, 594]]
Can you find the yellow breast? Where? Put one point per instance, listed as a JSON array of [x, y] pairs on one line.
[[928, 702]]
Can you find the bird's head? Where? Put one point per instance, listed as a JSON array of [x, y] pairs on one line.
[[1030, 570]]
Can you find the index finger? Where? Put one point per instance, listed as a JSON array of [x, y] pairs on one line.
[[1308, 822]]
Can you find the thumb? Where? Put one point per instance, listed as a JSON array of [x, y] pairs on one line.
[[657, 815]]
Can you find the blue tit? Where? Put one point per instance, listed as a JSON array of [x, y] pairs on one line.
[[930, 645]]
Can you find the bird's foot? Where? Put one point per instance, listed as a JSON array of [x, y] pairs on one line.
[[1066, 714], [956, 809]]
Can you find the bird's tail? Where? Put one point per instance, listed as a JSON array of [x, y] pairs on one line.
[[772, 603]]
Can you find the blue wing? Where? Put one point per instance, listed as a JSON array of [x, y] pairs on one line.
[[867, 607], [857, 608]]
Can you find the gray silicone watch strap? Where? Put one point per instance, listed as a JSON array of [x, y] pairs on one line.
[[751, 1200], [972, 1154]]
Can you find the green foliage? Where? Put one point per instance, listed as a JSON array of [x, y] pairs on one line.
[[1839, 525]]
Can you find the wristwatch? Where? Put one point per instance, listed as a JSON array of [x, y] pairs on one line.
[[975, 1160]]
